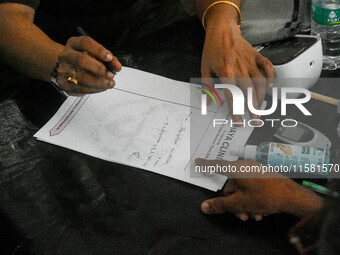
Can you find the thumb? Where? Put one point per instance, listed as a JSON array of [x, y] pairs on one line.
[[221, 205]]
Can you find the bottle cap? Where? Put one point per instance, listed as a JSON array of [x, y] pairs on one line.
[[237, 151], [250, 152], [247, 152]]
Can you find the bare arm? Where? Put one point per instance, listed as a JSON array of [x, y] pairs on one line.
[[224, 12], [226, 54], [30, 51], [23, 45]]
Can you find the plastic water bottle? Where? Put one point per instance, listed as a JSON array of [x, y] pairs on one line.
[[294, 157], [326, 24]]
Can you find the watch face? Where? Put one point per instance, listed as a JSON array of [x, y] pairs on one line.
[[284, 51]]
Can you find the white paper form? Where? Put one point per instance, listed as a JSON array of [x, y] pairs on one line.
[[144, 122]]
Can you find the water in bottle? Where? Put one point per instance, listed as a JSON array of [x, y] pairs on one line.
[[326, 24]]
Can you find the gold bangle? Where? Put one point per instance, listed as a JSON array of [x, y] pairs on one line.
[[223, 2]]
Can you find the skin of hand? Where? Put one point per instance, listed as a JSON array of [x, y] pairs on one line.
[[256, 195], [85, 55], [30, 51], [227, 55]]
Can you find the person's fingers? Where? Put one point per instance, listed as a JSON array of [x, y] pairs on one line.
[[226, 77], [87, 82], [82, 60], [85, 90], [116, 64], [260, 84], [229, 98], [242, 216], [244, 84], [85, 78], [221, 205], [257, 217], [92, 81], [86, 43], [267, 67], [77, 90]]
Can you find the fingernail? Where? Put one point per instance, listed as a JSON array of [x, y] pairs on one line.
[[112, 84], [110, 75], [109, 57], [270, 85], [244, 217], [205, 207], [258, 217]]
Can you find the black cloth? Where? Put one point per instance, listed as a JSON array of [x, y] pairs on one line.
[[112, 23], [31, 3]]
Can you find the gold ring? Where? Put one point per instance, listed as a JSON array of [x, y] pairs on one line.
[[73, 79]]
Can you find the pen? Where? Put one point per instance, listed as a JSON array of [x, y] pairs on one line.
[[108, 65], [320, 189]]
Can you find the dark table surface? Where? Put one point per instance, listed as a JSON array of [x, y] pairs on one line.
[[57, 201]]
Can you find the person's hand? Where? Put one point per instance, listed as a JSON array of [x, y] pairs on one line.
[[254, 195], [84, 55], [227, 54]]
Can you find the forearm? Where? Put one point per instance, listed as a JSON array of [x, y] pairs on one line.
[[25, 47], [220, 19], [219, 12], [303, 202]]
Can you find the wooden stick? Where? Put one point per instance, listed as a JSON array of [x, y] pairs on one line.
[[326, 99]]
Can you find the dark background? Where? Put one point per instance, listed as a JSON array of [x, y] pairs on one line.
[[56, 201]]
